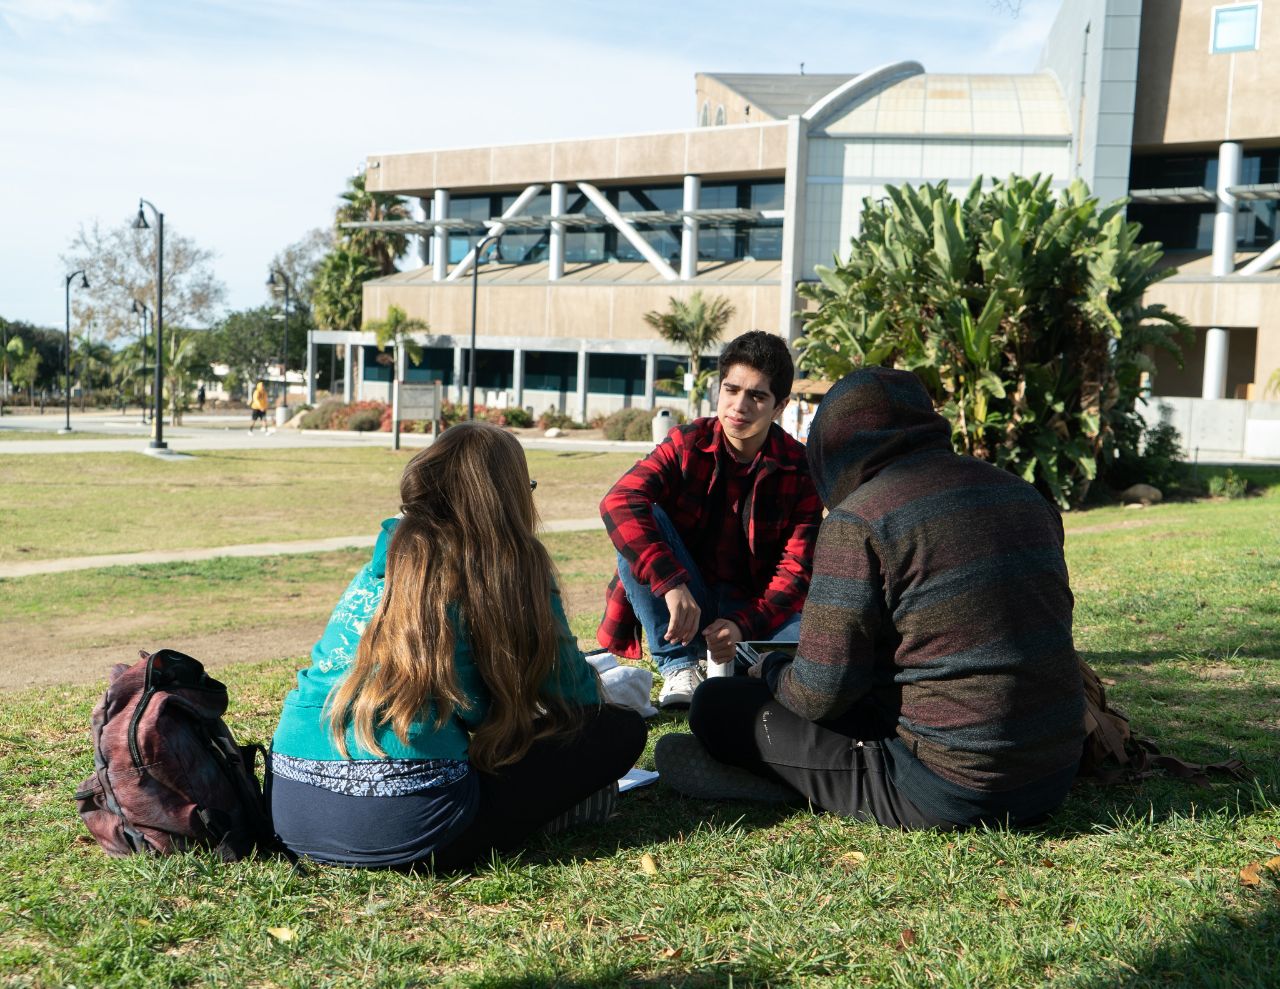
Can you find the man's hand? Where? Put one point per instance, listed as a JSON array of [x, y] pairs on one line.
[[722, 638], [685, 615]]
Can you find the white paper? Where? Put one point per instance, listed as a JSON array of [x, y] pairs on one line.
[[634, 778]]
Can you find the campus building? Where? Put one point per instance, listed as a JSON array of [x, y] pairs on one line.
[[1165, 102]]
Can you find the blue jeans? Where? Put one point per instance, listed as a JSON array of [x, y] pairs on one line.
[[714, 601]]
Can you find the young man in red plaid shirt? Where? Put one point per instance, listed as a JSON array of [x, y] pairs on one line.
[[715, 528]]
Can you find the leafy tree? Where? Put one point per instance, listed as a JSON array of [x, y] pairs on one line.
[[300, 261], [247, 340], [1021, 311], [338, 300], [696, 325], [121, 266], [394, 332], [13, 350], [380, 246]]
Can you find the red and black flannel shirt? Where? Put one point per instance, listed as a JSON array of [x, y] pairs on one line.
[[783, 513]]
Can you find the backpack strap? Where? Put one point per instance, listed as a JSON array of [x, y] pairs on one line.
[[136, 840]]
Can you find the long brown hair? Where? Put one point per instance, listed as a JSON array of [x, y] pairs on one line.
[[464, 555]]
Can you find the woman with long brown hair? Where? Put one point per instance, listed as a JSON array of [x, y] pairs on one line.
[[447, 711]]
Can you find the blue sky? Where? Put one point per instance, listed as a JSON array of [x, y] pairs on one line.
[[242, 119]]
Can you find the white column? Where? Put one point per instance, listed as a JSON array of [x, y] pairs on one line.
[[555, 255], [1216, 342], [440, 237], [348, 371], [457, 373], [358, 383], [689, 229], [650, 372], [311, 368], [582, 381], [517, 376], [418, 242], [793, 224]]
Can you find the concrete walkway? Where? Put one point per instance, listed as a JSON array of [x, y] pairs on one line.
[[113, 433], [9, 570]]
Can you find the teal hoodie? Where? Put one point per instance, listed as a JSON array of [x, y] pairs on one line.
[[303, 732]]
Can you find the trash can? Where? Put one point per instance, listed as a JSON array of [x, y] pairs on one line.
[[663, 423], [282, 414]]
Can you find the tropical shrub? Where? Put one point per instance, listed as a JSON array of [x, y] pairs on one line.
[[1228, 485], [615, 426], [365, 420], [553, 418], [1019, 308]]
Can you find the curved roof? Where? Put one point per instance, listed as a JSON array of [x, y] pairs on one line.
[[939, 104]]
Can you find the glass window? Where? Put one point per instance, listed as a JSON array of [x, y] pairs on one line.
[[669, 376], [375, 370], [550, 370], [493, 368], [720, 116], [704, 118], [615, 374], [1235, 28], [437, 365]]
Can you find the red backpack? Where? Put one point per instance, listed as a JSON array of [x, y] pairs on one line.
[[168, 775]]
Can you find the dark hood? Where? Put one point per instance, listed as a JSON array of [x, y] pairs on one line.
[[869, 419]]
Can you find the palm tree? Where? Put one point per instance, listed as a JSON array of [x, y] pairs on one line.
[[337, 303], [394, 332], [695, 324], [382, 247]]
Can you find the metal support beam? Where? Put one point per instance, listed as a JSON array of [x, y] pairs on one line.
[[689, 229], [555, 254], [624, 227], [1216, 340], [440, 236], [583, 360], [517, 376], [311, 368], [496, 229], [348, 372], [457, 374], [650, 373]]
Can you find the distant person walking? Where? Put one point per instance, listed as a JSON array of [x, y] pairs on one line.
[[200, 399], [258, 406]]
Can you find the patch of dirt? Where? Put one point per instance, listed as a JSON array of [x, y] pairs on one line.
[[42, 656], [1110, 526]]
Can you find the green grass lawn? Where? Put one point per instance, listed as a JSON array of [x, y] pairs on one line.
[[1134, 885], [93, 503]]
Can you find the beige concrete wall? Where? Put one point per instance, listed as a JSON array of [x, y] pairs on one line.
[[718, 152], [715, 93], [1246, 305], [593, 312], [1183, 89]]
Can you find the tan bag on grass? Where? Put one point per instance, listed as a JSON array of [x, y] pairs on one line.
[[1113, 754]]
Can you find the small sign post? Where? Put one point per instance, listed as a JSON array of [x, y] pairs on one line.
[[418, 401]]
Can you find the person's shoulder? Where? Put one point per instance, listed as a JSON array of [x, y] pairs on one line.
[[786, 449]]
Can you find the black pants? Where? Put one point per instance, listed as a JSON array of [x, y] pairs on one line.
[[839, 766], [555, 774]]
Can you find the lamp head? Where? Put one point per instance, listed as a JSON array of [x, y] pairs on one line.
[[271, 278], [140, 221], [84, 280]]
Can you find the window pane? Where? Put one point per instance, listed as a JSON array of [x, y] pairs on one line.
[[1235, 29]]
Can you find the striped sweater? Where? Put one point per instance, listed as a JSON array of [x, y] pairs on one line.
[[940, 596]]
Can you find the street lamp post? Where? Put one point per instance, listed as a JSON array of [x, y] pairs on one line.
[[157, 417], [475, 292], [84, 283], [140, 309], [284, 343]]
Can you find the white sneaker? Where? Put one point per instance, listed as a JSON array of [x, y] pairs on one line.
[[677, 689]]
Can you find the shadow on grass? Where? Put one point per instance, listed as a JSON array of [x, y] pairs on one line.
[[738, 975], [1234, 951]]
